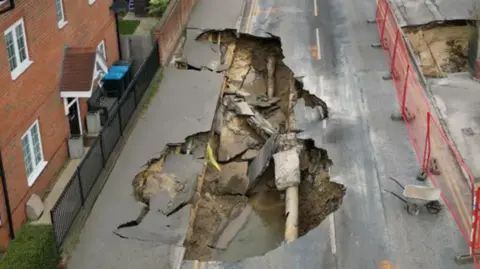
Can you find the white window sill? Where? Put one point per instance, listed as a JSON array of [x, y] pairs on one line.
[[36, 173], [91, 2], [61, 24], [20, 69]]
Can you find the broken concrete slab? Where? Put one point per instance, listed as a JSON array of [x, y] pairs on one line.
[[287, 169], [262, 127], [186, 169], [249, 154], [200, 53], [233, 178], [34, 207], [234, 139], [242, 108], [262, 102], [206, 18], [158, 228], [179, 120], [229, 228], [258, 166], [237, 105]]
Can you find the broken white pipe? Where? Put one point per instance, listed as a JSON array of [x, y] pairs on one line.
[[291, 194], [271, 63], [291, 211]]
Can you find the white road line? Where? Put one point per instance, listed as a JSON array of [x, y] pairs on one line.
[[319, 54], [315, 8], [333, 240]]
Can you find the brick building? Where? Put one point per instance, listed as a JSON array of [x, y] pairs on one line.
[[51, 56]]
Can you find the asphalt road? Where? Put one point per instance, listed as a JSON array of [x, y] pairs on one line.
[[327, 44]]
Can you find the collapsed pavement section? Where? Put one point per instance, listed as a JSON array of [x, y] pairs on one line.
[[262, 186]]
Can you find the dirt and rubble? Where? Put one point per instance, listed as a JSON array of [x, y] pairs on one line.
[[255, 108], [239, 204], [441, 49]]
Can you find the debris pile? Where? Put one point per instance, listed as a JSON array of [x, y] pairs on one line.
[[259, 157], [261, 185]]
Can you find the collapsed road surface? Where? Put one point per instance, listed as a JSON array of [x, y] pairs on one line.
[[328, 44], [244, 198]]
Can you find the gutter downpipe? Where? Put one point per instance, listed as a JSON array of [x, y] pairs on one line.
[[118, 36], [12, 6], [11, 232]]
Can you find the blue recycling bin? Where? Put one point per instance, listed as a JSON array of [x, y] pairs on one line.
[[114, 83]]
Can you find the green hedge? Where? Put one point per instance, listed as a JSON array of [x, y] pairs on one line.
[[33, 248]]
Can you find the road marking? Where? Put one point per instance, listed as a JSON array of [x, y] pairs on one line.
[[319, 54], [265, 11], [313, 51], [387, 265], [333, 240], [315, 9]]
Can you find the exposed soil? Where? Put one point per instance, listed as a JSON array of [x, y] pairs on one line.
[[316, 202], [441, 49], [237, 142]]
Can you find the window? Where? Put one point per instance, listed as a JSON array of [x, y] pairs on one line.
[[101, 49], [33, 153], [61, 22], [17, 49]]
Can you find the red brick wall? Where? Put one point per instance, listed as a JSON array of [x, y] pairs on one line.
[[171, 26], [34, 94]]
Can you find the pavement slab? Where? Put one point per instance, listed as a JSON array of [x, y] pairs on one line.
[[200, 53], [458, 100], [184, 105], [419, 12], [215, 15]]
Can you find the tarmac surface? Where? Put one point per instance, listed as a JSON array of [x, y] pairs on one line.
[[184, 105], [327, 45]]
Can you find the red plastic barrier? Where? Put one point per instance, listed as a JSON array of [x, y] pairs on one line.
[[435, 153]]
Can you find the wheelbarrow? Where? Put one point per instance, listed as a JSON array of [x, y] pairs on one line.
[[415, 196]]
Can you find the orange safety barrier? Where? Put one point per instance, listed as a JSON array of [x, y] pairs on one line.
[[436, 155]]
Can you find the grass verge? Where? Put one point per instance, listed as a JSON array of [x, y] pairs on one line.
[[152, 90], [128, 27]]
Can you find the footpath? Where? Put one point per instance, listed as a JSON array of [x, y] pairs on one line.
[[183, 106]]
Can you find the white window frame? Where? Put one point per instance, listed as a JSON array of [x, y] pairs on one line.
[[67, 106], [104, 54], [21, 66], [62, 22], [38, 168], [90, 2]]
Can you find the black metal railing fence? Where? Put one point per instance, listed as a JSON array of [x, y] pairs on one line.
[[76, 192]]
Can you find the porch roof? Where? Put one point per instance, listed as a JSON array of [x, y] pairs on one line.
[[79, 74]]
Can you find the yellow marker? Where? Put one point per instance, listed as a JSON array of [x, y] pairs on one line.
[[211, 158]]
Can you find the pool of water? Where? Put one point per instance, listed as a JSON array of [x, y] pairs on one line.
[[263, 231]]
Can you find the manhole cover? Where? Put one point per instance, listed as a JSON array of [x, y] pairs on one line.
[[468, 131]]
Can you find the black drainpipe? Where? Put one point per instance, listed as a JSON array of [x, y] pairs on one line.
[[11, 232], [118, 37], [12, 6]]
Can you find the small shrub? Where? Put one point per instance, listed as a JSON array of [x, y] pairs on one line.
[[156, 8], [33, 248]]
